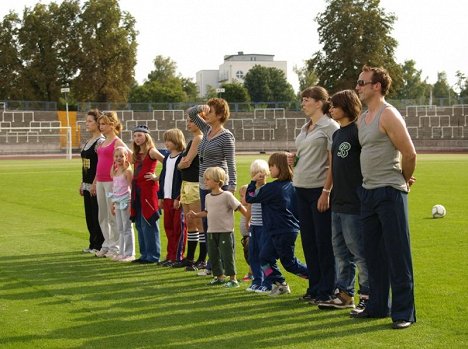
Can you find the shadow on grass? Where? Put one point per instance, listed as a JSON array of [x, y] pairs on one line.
[[105, 303]]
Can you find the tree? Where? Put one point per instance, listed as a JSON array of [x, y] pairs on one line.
[[306, 77], [413, 87], [441, 88], [10, 62], [235, 93], [163, 85], [108, 52], [267, 84], [461, 84], [353, 33]]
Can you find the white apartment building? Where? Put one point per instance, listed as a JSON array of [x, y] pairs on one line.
[[234, 68]]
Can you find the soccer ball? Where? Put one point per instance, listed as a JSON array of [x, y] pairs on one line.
[[438, 211]]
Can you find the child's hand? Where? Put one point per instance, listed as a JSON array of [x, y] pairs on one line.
[[176, 204], [191, 214], [113, 209], [149, 176], [259, 177], [161, 203]]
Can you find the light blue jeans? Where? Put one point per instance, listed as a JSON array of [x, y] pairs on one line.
[[348, 248]]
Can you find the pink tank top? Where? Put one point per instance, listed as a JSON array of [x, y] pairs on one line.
[[105, 162], [120, 185]]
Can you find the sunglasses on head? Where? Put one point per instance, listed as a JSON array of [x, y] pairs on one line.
[[363, 83]]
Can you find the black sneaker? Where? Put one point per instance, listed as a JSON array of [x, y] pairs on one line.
[[181, 264], [191, 267], [200, 265], [361, 306], [307, 298]]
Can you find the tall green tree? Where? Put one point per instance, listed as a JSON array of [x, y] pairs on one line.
[[108, 52], [353, 33], [441, 88], [461, 84], [306, 77], [10, 62], [267, 84], [163, 84], [413, 87]]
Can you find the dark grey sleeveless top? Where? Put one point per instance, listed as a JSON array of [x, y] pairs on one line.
[[380, 160]]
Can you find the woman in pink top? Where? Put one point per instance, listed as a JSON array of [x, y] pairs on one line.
[[110, 127]]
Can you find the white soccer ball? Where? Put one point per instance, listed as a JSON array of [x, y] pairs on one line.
[[438, 211]]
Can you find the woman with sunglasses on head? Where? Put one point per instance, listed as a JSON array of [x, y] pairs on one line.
[[313, 181], [217, 149]]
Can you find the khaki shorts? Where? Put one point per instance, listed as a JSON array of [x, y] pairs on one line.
[[189, 192]]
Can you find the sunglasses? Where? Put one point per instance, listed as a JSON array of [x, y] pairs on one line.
[[364, 83]]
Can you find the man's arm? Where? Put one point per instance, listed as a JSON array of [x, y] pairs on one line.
[[394, 126]]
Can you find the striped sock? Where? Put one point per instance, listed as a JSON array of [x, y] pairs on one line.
[[192, 240]]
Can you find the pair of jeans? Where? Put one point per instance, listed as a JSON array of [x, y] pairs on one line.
[[316, 243], [348, 247], [388, 254], [125, 229], [258, 239], [148, 238], [92, 221], [281, 246]]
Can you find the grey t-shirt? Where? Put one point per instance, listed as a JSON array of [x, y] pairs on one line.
[[220, 208], [312, 152]]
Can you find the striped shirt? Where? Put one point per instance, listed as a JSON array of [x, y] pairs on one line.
[[218, 151], [256, 215]]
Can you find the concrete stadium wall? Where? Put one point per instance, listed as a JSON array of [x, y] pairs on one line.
[[432, 130]]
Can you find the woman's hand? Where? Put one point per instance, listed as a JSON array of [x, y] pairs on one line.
[[92, 191], [323, 202]]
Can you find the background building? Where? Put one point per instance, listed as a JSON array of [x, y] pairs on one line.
[[234, 68]]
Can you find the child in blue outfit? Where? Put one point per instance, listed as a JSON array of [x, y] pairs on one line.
[[278, 201]]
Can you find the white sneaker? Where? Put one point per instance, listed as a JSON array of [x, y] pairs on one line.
[[101, 253], [127, 259], [262, 290], [86, 250], [109, 254], [280, 289], [204, 272], [117, 257], [251, 288]]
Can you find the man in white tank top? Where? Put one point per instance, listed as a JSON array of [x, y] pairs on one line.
[[388, 160]]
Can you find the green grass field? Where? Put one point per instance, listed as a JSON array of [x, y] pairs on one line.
[[53, 296]]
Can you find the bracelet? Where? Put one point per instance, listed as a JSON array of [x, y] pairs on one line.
[[326, 190]]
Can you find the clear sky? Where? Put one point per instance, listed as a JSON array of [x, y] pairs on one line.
[[197, 34]]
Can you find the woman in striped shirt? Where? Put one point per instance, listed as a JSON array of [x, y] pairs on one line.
[[217, 148]]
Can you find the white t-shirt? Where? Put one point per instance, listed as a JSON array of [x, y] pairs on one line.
[[169, 176], [220, 208]]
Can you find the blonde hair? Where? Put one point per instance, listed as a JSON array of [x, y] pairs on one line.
[[280, 160], [146, 146], [259, 166], [111, 118], [175, 136], [216, 174], [126, 163], [243, 190]]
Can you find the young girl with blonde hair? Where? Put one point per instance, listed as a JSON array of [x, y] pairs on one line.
[[121, 174]]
